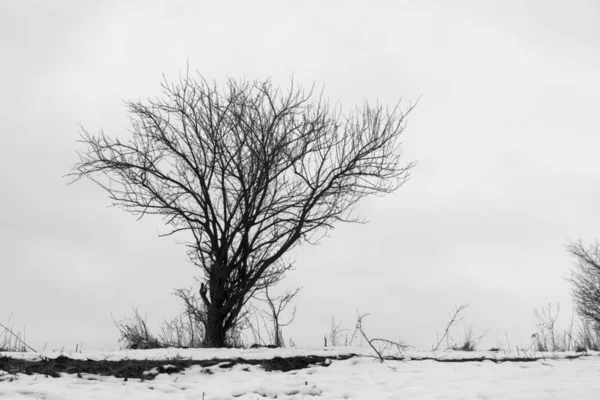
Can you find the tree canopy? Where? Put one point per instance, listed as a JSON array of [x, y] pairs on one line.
[[247, 171]]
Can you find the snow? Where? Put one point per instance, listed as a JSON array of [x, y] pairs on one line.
[[269, 353], [553, 377]]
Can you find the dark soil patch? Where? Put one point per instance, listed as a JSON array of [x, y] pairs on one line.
[[135, 368], [497, 361]]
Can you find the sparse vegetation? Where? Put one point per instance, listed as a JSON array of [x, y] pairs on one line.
[[335, 334], [338, 336], [183, 331], [263, 318], [549, 337], [455, 319], [468, 342], [13, 341], [187, 329], [255, 321]]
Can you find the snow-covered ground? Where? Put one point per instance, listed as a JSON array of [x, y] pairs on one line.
[[354, 378]]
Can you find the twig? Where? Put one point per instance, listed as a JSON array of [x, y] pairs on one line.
[[452, 322]]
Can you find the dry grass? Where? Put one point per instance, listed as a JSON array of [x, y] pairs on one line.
[[183, 331], [468, 342], [13, 341], [135, 333]]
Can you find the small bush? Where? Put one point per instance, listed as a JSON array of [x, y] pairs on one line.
[[466, 346], [135, 333], [469, 341]]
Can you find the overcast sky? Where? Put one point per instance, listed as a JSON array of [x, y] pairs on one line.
[[506, 136]]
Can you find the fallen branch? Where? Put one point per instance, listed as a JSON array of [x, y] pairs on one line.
[[401, 346]]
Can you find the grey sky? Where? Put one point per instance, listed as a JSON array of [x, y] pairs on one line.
[[506, 137]]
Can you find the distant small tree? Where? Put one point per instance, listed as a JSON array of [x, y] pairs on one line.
[[249, 171], [585, 280], [277, 306]]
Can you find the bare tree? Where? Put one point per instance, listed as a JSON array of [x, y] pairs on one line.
[[276, 306], [585, 278], [249, 171]]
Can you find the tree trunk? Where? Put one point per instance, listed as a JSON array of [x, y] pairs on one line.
[[215, 329], [215, 332], [222, 310], [276, 330]]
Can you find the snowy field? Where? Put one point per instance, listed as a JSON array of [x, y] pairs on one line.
[[555, 376]]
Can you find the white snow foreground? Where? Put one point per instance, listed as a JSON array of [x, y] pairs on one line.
[[555, 376]]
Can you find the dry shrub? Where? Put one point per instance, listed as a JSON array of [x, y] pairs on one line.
[[135, 333], [469, 341]]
